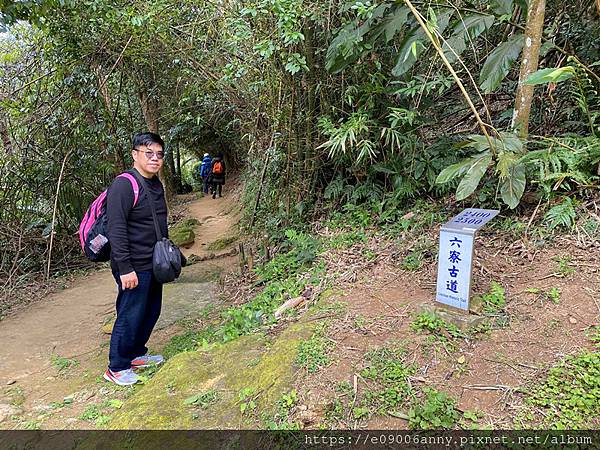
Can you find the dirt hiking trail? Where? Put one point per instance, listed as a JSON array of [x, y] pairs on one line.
[[54, 351]]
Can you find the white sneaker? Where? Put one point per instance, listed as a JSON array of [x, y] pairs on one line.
[[125, 377], [146, 361]]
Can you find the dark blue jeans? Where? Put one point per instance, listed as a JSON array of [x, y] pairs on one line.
[[137, 312]]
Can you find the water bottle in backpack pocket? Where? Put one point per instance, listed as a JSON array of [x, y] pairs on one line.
[[93, 228]]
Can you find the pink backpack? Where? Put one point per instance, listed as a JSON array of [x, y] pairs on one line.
[[93, 227]]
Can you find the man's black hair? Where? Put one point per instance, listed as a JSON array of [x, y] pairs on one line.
[[146, 139]]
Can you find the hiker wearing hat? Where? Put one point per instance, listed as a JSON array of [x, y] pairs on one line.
[[205, 171]]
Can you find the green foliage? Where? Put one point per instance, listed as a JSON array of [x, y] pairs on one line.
[[247, 397], [62, 364], [412, 261], [313, 354], [570, 395], [281, 419], [351, 135], [465, 31], [93, 413], [563, 164], [388, 375], [553, 295], [564, 268], [435, 325], [302, 250], [511, 172], [347, 239], [202, 400], [495, 300], [499, 62], [561, 215], [189, 341], [436, 411], [550, 75]]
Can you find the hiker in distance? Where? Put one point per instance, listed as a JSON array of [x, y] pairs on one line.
[[131, 233], [217, 175], [205, 171]]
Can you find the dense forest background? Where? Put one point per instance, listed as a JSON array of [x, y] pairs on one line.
[[320, 106]]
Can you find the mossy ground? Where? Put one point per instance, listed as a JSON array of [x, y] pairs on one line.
[[251, 361], [183, 234]]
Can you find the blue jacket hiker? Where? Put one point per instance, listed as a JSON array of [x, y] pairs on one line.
[[205, 171]]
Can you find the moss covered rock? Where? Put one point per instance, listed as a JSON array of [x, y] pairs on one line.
[[248, 362], [183, 234]]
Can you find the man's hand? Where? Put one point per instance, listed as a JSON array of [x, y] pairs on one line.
[[129, 280]]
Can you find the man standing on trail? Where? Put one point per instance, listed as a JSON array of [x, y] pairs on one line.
[[205, 171], [132, 236], [218, 175]]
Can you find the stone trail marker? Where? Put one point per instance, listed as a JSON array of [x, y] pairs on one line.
[[455, 259]]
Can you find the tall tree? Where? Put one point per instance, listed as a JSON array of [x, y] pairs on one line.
[[529, 64]]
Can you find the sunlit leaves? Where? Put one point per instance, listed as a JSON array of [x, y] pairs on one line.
[[551, 75]]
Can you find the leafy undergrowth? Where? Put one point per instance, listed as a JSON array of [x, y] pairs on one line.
[[391, 390], [286, 276], [569, 398]]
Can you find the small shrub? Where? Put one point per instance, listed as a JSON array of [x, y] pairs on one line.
[[436, 411]]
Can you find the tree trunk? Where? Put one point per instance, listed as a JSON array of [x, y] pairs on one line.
[[118, 159], [4, 135], [178, 161], [529, 64], [150, 111]]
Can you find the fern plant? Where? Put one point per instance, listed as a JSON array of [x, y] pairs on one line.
[[562, 215]]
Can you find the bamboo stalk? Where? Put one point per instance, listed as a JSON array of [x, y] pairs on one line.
[[62, 169]]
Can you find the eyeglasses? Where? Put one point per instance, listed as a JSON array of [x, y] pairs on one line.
[[149, 153]]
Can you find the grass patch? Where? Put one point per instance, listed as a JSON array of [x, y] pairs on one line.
[[202, 400], [189, 341], [347, 239], [569, 398], [313, 354], [389, 388], [63, 365]]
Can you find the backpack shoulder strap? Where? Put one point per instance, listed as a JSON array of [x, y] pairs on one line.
[[134, 185]]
